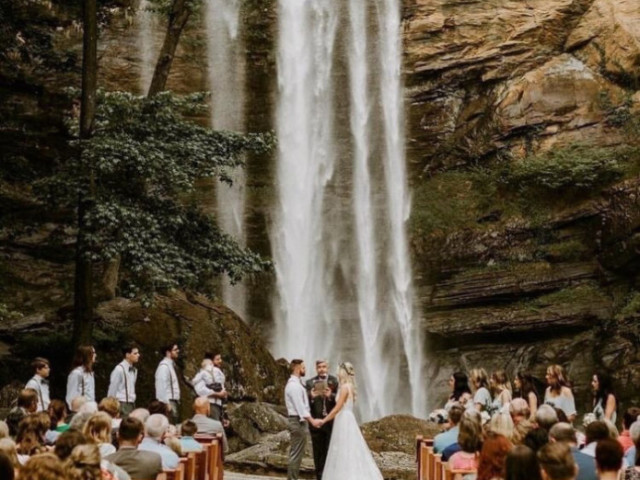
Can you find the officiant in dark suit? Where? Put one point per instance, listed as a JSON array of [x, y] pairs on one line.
[[322, 391]]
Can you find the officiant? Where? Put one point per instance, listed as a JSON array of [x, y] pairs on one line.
[[322, 398]]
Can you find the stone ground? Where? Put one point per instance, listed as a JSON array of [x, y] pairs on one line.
[[242, 476]]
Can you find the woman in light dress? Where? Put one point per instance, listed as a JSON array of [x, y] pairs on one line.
[[501, 391], [481, 397], [604, 399], [558, 394], [349, 457]]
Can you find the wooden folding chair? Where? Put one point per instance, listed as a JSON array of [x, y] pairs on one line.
[[202, 459], [438, 469], [189, 466], [175, 474], [422, 457], [216, 470]]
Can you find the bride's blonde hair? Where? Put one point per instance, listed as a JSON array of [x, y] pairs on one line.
[[347, 374]]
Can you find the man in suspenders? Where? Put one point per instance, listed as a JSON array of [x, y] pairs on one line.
[[167, 387], [122, 385], [40, 383]]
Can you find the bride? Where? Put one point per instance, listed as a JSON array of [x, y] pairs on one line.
[[349, 457]]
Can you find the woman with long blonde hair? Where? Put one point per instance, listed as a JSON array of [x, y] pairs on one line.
[[349, 457]]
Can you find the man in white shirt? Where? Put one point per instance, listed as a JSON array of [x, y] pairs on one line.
[[40, 383], [167, 387], [209, 382], [122, 384], [297, 402]]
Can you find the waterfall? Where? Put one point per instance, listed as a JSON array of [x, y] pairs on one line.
[[303, 319], [226, 83], [366, 283], [397, 195], [146, 43], [345, 299]]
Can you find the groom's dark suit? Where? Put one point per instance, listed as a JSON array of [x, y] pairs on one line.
[[320, 407]]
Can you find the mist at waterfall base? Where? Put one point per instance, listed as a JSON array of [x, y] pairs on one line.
[[340, 248]]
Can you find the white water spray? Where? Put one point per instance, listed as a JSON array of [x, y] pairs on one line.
[[397, 195], [226, 83], [303, 319], [146, 43]]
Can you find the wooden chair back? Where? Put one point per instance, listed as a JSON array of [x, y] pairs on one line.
[[216, 470], [189, 466], [175, 474]]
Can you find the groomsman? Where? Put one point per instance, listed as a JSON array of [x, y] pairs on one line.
[[297, 402], [167, 387], [322, 396], [40, 383], [122, 384]]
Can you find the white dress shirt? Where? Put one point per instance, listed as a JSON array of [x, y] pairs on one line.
[[167, 387], [41, 386], [295, 397], [203, 379], [80, 383], [122, 384]]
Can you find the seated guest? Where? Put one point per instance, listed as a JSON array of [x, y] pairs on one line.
[[58, 414], [27, 404], [502, 424], [155, 431], [98, 430], [546, 417], [444, 439], [536, 438], [564, 433], [471, 423], [76, 404], [205, 424], [491, 463], [45, 466], [156, 406], [631, 415], [8, 447], [609, 455], [4, 429], [67, 441], [30, 437], [595, 432], [187, 443], [7, 472], [141, 414], [631, 457], [520, 414], [556, 462], [139, 464], [469, 444], [111, 406], [522, 464]]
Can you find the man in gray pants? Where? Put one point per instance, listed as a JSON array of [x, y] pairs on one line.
[[295, 397]]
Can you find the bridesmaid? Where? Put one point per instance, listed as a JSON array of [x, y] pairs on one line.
[[558, 393]]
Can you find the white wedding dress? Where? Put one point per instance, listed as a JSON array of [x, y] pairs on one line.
[[349, 457]]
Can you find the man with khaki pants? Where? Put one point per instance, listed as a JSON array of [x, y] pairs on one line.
[[295, 396]]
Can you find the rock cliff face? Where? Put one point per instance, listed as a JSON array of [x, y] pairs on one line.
[[491, 85], [522, 121]]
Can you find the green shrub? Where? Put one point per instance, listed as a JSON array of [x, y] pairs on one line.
[[577, 167]]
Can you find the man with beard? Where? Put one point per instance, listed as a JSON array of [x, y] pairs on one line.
[[322, 398]]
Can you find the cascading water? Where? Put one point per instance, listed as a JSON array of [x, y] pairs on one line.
[[387, 344], [303, 320], [397, 195], [226, 83], [146, 44], [373, 364]]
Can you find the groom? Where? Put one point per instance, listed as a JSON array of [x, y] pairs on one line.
[[295, 398], [322, 395]]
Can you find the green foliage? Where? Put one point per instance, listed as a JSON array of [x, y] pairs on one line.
[[144, 160], [632, 306], [6, 314], [577, 167]]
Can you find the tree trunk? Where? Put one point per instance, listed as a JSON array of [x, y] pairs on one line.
[[178, 17], [83, 287]]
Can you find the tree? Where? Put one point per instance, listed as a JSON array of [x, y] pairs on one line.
[[83, 289], [146, 155], [179, 12]]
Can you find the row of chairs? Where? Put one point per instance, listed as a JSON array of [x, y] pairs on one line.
[[430, 464], [205, 465]]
